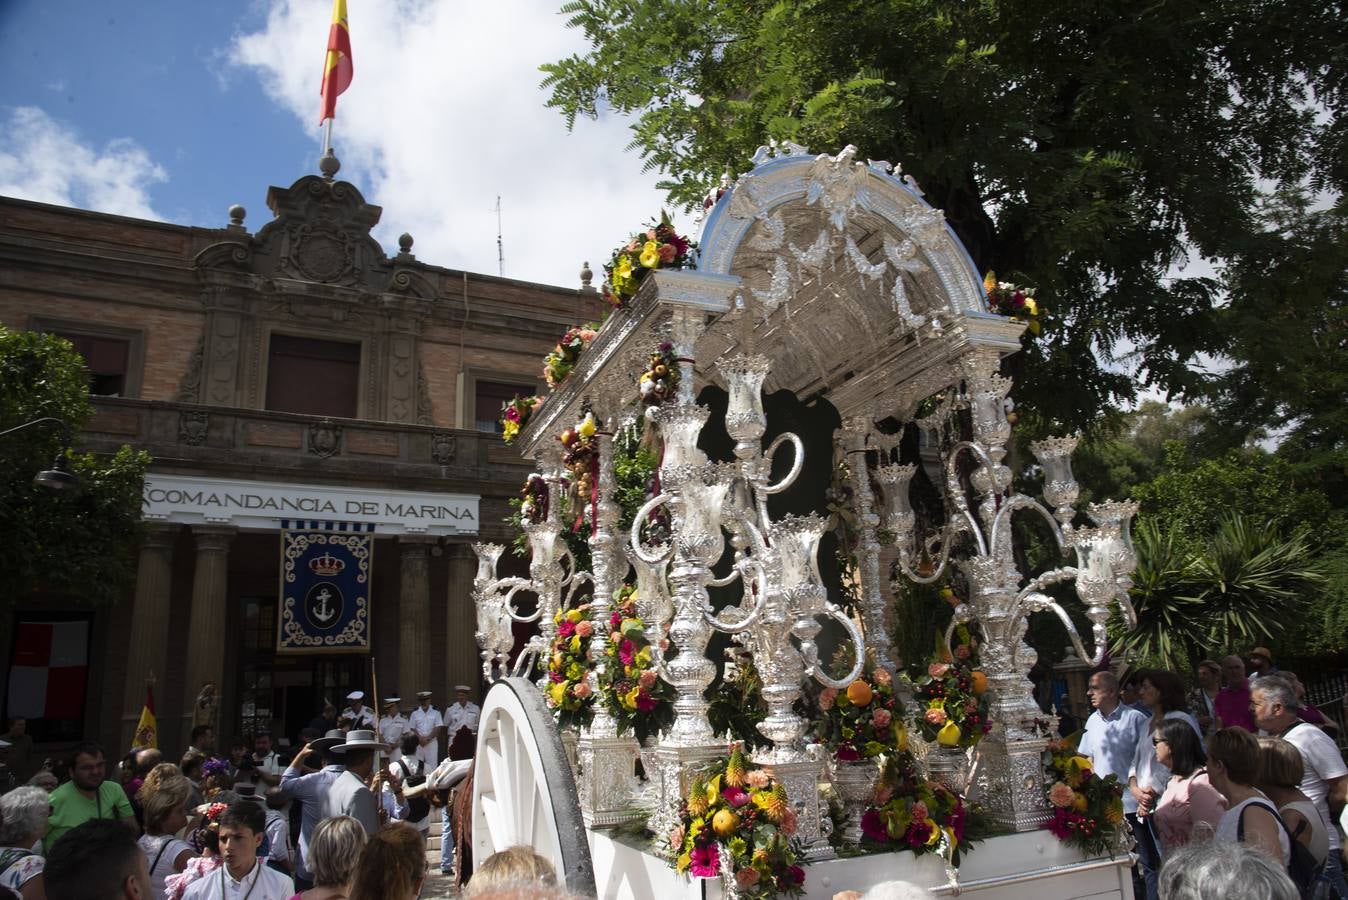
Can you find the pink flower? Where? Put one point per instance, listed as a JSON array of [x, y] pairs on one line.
[[757, 779], [706, 861], [676, 836], [935, 716], [938, 670], [748, 876], [585, 628], [826, 698], [882, 718], [512, 414], [873, 826], [736, 797], [581, 690], [645, 702], [615, 621], [882, 676], [971, 707], [667, 253], [566, 629], [614, 637], [647, 679], [634, 245], [961, 652], [920, 811], [627, 652], [883, 794], [1060, 794], [789, 822]]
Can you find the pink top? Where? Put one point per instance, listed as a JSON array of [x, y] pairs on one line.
[[1233, 707], [1190, 808], [197, 867]]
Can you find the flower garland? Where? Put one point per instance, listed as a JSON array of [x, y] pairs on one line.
[[640, 702], [863, 721], [950, 695], [563, 358], [910, 813], [738, 822], [1087, 809], [658, 246], [581, 458], [534, 499], [569, 693], [1007, 299], [515, 414], [657, 384]]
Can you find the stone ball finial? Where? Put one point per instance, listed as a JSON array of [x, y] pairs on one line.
[[405, 242], [236, 214], [329, 165], [586, 276]]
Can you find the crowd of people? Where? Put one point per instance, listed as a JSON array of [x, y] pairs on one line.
[[345, 816], [1240, 760]]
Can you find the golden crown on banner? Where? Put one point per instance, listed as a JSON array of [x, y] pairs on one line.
[[326, 565]]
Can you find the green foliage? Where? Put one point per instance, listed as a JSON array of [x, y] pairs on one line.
[[1241, 587], [1084, 148], [73, 544]]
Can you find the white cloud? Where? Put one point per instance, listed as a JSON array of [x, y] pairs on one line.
[[42, 159], [444, 113]]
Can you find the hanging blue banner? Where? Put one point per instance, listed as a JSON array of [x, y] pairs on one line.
[[325, 590]]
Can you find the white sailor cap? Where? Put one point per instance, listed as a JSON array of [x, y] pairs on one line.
[[356, 695], [463, 687]]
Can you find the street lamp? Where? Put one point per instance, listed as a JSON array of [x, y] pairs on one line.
[[58, 477]]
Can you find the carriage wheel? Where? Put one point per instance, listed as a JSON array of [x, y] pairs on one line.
[[523, 791]]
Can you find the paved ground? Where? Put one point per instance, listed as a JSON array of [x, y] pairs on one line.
[[438, 887]]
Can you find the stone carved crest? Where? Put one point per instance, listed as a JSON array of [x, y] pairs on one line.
[[192, 427], [325, 438], [443, 448], [321, 254]]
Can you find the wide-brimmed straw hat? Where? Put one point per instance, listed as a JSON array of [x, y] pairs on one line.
[[360, 739], [328, 741]]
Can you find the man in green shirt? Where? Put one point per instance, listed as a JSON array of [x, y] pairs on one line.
[[88, 795]]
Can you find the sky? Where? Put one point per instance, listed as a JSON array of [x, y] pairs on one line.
[[174, 111]]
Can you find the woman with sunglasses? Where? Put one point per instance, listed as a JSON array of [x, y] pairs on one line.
[[1191, 807]]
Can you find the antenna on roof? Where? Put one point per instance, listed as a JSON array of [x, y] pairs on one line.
[[500, 246]]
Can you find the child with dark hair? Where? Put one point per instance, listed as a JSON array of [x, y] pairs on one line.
[[98, 858], [206, 838], [240, 829]]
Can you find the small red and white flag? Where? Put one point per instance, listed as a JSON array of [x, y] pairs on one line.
[[337, 64], [50, 671]]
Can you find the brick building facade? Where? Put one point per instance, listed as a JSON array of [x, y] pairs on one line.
[[296, 361]]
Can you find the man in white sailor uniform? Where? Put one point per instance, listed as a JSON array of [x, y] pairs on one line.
[[426, 723], [392, 726], [461, 724], [356, 715]]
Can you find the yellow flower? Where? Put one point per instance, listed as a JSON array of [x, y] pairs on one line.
[[623, 269], [509, 430], [650, 255], [1031, 308], [630, 698], [990, 281], [556, 692], [934, 836], [587, 427], [573, 616]]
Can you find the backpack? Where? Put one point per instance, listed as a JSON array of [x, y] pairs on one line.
[[418, 807], [1301, 867]]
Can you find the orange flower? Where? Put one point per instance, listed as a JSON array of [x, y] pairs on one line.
[[859, 693]]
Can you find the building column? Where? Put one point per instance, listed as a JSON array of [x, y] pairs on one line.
[[206, 634], [147, 651], [414, 614], [462, 664]]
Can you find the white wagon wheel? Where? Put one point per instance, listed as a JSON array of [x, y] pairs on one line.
[[523, 790]]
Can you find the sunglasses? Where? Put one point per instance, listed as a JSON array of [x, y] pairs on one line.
[[1155, 741]]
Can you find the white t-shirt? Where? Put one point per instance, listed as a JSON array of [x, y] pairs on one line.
[[1323, 764], [1229, 826], [161, 864]]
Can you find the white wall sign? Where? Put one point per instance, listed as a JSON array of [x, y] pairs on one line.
[[261, 505]]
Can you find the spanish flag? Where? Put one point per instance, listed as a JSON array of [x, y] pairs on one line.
[[337, 65], [147, 730]]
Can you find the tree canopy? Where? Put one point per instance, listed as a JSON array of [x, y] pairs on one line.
[[75, 544], [1083, 148]]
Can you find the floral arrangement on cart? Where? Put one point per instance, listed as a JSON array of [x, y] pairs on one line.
[[899, 738]]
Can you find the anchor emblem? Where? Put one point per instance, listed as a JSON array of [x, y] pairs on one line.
[[323, 605]]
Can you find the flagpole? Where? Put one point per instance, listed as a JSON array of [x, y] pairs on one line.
[[327, 136]]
